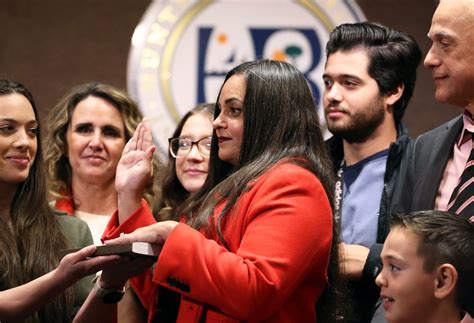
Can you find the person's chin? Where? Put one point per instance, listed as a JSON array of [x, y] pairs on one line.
[[193, 185], [17, 178], [338, 129], [228, 157], [95, 173], [391, 316], [441, 95], [95, 162]]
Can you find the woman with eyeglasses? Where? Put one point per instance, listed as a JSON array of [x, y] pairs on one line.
[[189, 149], [186, 172]]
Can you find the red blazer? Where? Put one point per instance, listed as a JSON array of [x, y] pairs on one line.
[[279, 234]]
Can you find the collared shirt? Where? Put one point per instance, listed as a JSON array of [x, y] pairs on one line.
[[456, 164]]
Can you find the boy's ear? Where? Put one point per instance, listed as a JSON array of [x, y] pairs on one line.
[[392, 97], [445, 281]]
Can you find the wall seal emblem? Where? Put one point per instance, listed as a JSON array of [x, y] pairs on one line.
[[181, 49]]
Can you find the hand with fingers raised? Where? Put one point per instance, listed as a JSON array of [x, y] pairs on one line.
[[134, 170]]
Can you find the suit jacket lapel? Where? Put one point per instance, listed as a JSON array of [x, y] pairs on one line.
[[442, 151]]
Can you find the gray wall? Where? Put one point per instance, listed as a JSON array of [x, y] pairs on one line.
[[52, 45]]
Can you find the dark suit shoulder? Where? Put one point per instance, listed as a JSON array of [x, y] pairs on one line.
[[428, 136], [440, 138], [430, 154]]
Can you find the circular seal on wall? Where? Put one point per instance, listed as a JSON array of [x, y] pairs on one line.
[[181, 50]]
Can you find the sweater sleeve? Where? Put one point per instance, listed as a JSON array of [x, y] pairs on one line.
[[79, 236]]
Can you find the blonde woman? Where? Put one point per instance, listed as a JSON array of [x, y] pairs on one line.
[[88, 129]]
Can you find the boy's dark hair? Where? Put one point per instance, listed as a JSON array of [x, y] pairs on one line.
[[445, 238], [393, 57]]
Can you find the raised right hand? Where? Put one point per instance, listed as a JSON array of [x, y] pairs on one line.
[[135, 166]]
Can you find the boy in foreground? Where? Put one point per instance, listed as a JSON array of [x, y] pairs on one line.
[[428, 266]]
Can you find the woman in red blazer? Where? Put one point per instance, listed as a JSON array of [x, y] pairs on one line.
[[256, 241]]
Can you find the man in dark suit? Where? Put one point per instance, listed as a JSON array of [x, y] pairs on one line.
[[440, 175], [440, 155]]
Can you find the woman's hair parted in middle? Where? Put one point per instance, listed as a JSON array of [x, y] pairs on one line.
[[59, 119], [280, 121]]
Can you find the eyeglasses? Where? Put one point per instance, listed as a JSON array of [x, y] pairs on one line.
[[180, 147]]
